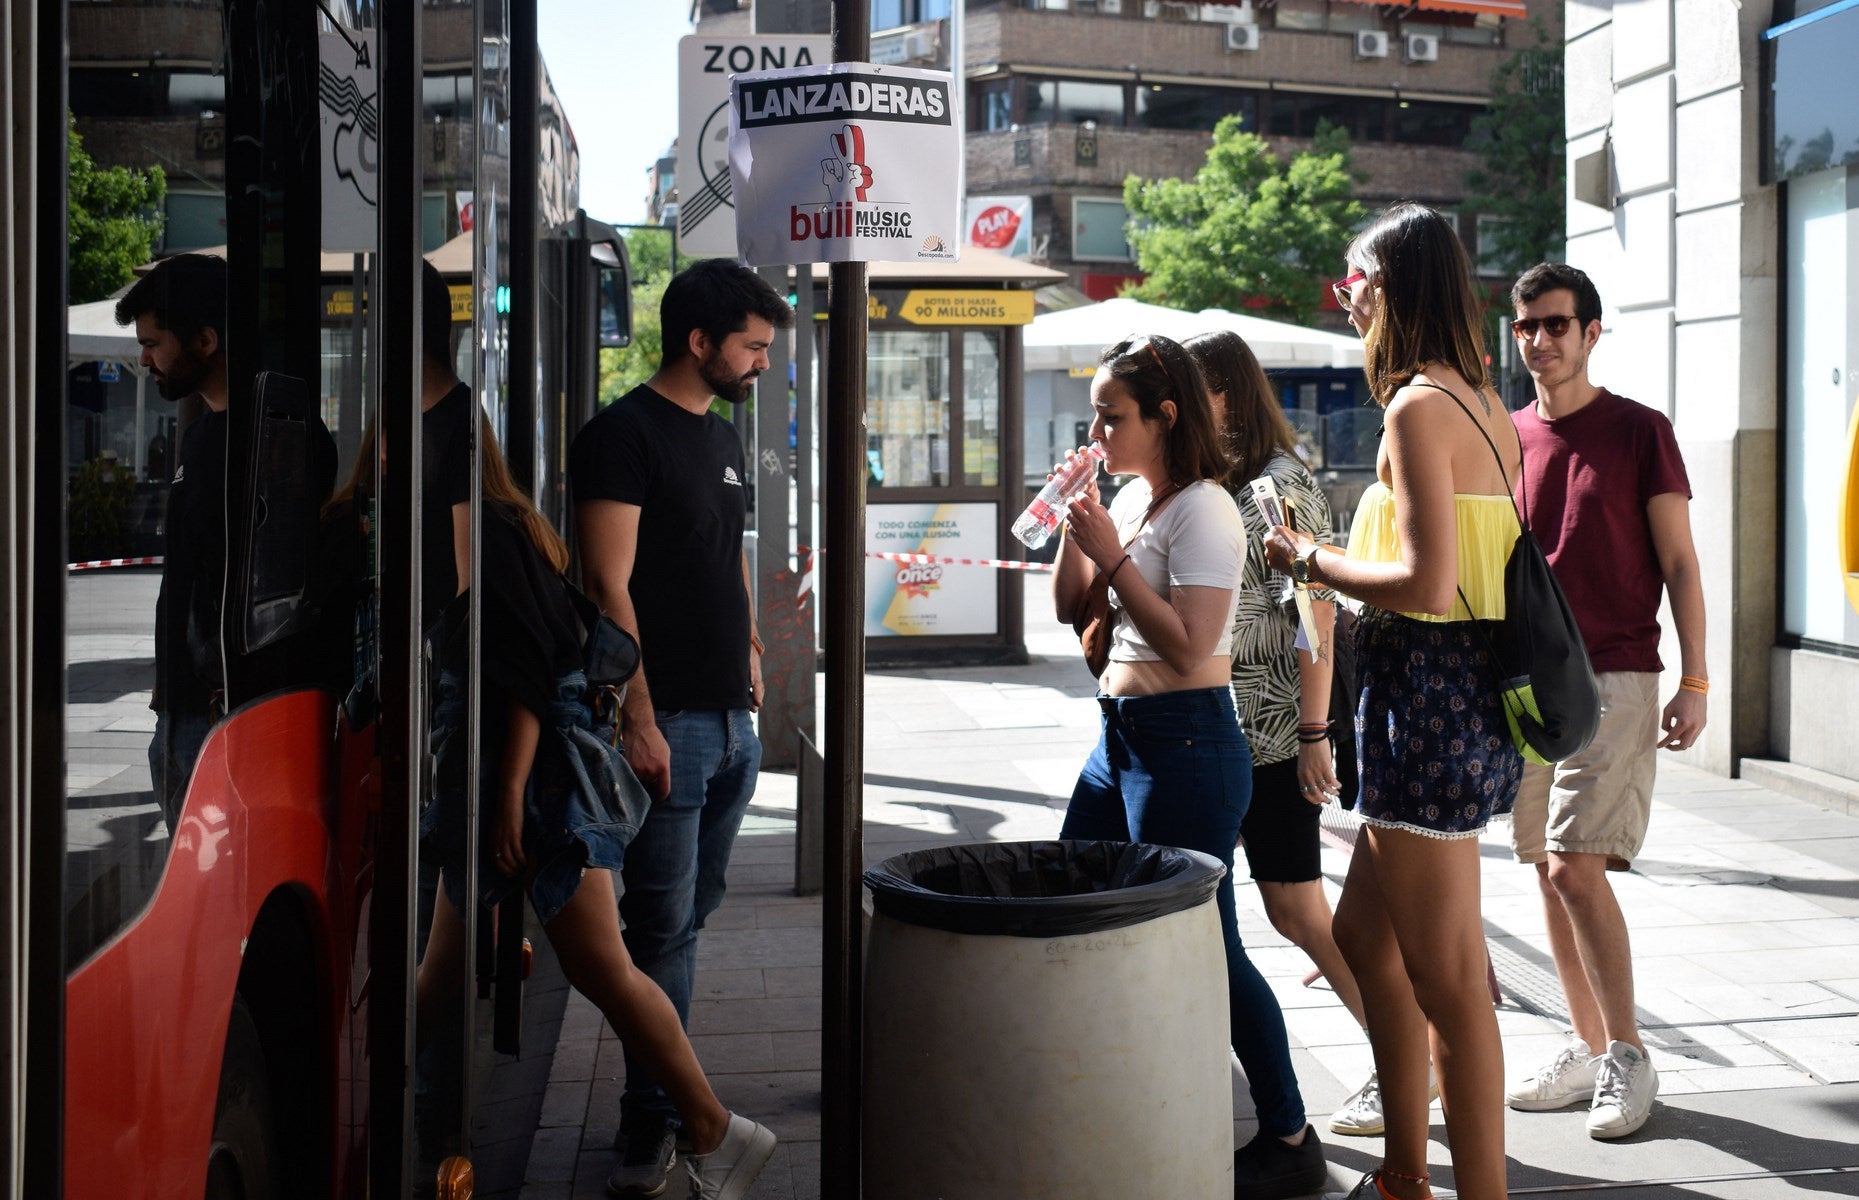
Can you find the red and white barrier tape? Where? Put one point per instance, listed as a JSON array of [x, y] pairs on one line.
[[899, 556], [999, 564], [96, 564]]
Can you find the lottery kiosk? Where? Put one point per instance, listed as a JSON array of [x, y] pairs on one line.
[[945, 396]]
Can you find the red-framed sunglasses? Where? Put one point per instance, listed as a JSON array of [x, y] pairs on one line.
[[1342, 286]]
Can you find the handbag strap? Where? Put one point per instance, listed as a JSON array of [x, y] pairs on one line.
[[1522, 522], [1157, 503]]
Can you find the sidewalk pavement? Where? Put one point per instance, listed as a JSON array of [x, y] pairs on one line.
[[1744, 909]]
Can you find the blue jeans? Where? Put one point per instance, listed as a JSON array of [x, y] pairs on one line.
[[172, 753], [1175, 770], [674, 871]]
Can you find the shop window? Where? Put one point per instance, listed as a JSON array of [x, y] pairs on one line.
[[196, 93], [1311, 16], [1073, 102], [1823, 291], [1466, 29], [1176, 106], [1350, 17], [1281, 114], [981, 408], [1358, 116], [195, 220], [991, 106], [1098, 230], [1422, 123], [908, 418], [116, 92]]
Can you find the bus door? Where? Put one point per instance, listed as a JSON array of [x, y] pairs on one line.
[[215, 873]]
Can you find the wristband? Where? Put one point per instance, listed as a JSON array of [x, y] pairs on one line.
[[1113, 571], [755, 643], [1691, 683]]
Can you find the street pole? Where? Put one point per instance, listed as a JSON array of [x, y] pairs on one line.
[[844, 639]]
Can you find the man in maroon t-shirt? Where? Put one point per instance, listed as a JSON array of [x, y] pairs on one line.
[[1605, 491]]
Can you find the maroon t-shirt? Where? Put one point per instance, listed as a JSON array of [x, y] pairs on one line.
[[1587, 478]]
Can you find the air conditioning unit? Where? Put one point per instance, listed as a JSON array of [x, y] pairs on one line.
[[1110, 7], [1422, 47], [1242, 37], [1371, 43], [1227, 14]]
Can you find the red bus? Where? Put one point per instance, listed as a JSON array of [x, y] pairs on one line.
[[223, 1008]]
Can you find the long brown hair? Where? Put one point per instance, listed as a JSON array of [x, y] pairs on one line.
[[499, 488], [1428, 310], [1255, 427], [1156, 369]]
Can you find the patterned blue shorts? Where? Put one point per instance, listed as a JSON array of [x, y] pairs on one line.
[[1432, 746]]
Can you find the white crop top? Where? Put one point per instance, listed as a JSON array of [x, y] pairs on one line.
[[1197, 540]]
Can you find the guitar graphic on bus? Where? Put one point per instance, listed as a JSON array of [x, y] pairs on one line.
[[355, 152]]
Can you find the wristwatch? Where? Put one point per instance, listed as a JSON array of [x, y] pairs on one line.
[[1300, 566]]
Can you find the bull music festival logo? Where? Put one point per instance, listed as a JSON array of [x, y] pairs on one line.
[[845, 170]]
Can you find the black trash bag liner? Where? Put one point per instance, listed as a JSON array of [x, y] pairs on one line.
[[1041, 889]]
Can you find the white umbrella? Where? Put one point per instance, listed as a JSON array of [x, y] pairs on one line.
[[1281, 344], [92, 335], [1077, 336]]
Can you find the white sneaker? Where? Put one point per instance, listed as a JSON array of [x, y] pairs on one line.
[[727, 1172], [1568, 1079], [1624, 1087], [1361, 1114]]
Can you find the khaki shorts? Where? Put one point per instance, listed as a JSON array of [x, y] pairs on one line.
[[1600, 801]]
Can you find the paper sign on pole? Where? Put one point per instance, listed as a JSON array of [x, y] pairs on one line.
[[847, 162], [706, 205], [350, 129]]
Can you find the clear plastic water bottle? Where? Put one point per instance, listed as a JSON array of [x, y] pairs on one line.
[[1042, 516]]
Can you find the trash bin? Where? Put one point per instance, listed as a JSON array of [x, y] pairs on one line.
[[1046, 1019]]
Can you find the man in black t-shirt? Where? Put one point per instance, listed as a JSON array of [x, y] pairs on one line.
[[659, 508], [179, 312], [445, 454]]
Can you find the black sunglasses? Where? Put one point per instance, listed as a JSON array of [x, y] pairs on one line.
[[1526, 327]]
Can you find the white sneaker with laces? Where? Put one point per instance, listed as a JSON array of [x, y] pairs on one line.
[[1624, 1087], [727, 1172], [1361, 1114], [1567, 1079]]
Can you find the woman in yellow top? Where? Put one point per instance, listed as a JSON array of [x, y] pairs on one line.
[[1430, 541]]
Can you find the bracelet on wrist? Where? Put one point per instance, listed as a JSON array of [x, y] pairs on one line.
[[1111, 578], [755, 643], [1691, 683]]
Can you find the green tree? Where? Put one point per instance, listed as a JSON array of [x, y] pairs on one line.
[[1249, 228], [648, 255], [115, 217], [1519, 178]]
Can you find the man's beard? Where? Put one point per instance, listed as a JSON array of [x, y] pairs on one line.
[[734, 388], [184, 379]]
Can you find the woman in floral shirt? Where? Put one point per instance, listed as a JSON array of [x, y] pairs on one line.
[[1281, 693]]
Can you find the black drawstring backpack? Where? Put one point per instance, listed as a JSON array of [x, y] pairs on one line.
[[1551, 700]]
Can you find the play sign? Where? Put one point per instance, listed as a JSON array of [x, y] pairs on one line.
[[1003, 223]]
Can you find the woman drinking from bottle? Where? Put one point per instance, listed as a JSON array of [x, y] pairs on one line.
[[1171, 766]]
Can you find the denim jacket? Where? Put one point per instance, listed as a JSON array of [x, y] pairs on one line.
[[582, 804]]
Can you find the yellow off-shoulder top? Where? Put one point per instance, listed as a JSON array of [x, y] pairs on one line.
[[1487, 531]]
